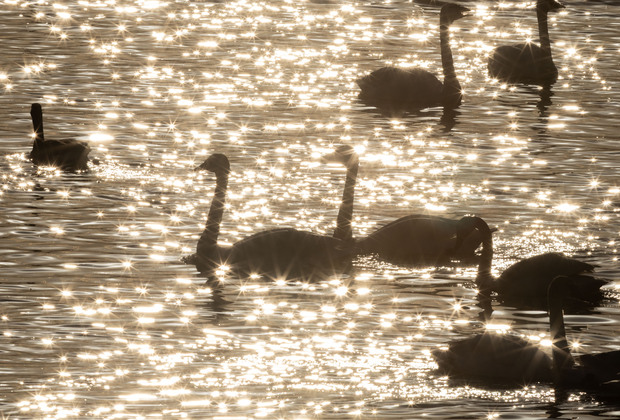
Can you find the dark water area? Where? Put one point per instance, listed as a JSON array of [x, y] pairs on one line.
[[101, 319]]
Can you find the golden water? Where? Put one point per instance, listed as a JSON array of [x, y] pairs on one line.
[[101, 320]]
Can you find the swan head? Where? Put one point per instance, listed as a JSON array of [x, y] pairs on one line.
[[468, 223], [216, 163], [344, 154], [451, 12], [549, 5]]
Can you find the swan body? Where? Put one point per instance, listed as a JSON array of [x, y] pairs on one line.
[[67, 154], [411, 89], [591, 372], [278, 252], [527, 63], [287, 252], [494, 359], [421, 240], [526, 282]]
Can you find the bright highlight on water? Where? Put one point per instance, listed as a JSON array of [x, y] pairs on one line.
[[449, 221]]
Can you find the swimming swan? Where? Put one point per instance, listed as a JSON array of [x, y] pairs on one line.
[[527, 63], [588, 371], [506, 359], [525, 283], [279, 252], [69, 154], [401, 89], [423, 240]]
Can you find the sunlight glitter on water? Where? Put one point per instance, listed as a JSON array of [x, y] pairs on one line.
[[272, 85]]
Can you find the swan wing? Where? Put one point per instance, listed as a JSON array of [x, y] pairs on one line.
[[493, 359], [391, 87], [289, 252], [522, 63], [67, 154], [526, 282]]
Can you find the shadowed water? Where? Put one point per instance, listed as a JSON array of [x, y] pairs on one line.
[[99, 317]]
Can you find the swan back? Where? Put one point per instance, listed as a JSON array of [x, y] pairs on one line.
[[288, 252], [422, 239], [526, 282], [494, 359], [67, 154]]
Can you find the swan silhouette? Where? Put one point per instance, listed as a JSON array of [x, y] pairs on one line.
[[423, 240], [528, 63], [68, 154], [592, 372], [278, 252], [495, 359], [506, 359], [525, 283], [412, 89]]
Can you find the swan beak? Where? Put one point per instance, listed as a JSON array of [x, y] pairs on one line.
[[558, 5], [202, 166], [326, 159], [330, 158]]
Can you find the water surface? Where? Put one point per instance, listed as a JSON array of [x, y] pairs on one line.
[[101, 319]]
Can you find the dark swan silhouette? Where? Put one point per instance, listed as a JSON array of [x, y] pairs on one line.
[[68, 154], [495, 359], [426, 240], [528, 63], [279, 252], [525, 283], [598, 372], [506, 359], [411, 89]]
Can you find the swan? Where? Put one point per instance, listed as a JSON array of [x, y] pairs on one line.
[[421, 240], [527, 63], [492, 358], [394, 88], [279, 252], [588, 371], [525, 283], [506, 359], [68, 154]]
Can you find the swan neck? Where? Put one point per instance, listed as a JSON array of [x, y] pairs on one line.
[[451, 85], [562, 359], [216, 211], [543, 31], [37, 123], [344, 230], [484, 278]]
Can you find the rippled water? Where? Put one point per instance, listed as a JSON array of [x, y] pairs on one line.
[[100, 318]]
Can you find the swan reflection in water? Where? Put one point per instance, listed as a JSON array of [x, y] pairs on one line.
[[282, 252]]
